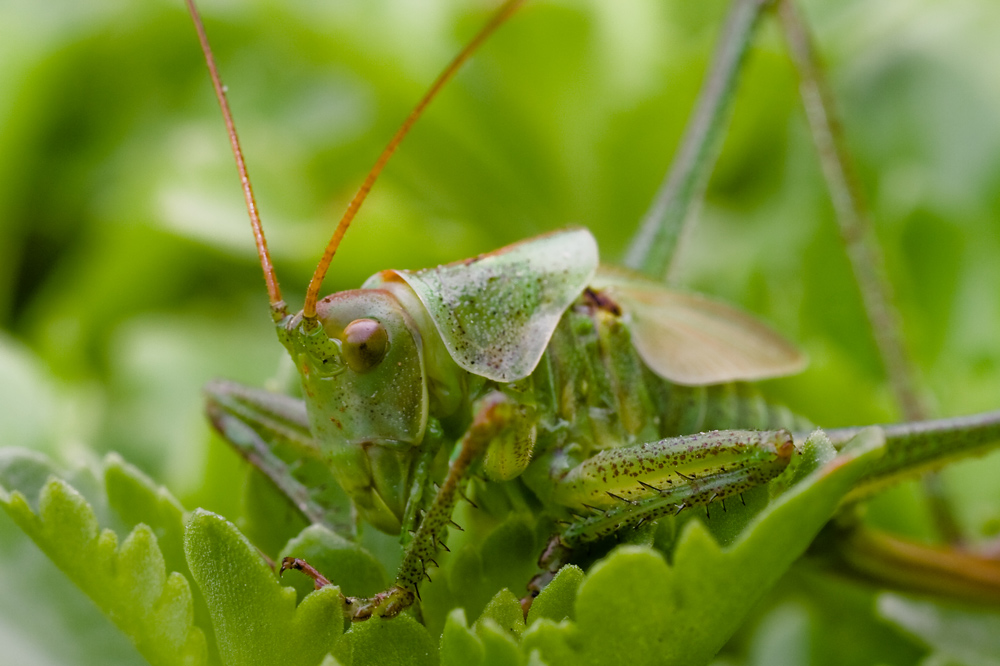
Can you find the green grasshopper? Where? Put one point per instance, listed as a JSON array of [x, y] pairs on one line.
[[615, 400]]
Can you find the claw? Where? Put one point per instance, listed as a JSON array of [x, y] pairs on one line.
[[526, 603], [319, 580]]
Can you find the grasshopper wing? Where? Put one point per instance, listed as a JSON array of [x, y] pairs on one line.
[[496, 312], [693, 340]]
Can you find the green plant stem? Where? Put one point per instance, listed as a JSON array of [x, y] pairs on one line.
[[860, 242], [675, 204], [862, 246], [911, 567]]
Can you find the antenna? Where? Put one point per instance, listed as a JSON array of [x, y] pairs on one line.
[[498, 18], [273, 290]]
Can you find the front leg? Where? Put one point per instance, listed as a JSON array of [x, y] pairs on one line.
[[271, 431], [495, 414]]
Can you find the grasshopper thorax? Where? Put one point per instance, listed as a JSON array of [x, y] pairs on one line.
[[363, 378]]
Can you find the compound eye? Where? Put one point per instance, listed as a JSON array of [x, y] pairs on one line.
[[365, 343]]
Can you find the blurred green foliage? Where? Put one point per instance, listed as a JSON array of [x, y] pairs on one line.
[[128, 278]]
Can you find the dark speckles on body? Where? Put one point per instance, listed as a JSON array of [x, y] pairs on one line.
[[725, 462]]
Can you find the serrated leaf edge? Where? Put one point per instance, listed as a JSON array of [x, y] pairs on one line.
[[66, 529]]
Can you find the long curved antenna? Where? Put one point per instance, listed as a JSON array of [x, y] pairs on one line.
[[273, 290], [498, 18]]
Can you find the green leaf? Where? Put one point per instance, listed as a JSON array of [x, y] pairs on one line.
[[556, 601], [136, 499], [256, 619], [558, 643], [504, 611], [401, 641], [130, 583], [459, 645], [500, 647]]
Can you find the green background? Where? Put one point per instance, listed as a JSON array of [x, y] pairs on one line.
[[128, 278]]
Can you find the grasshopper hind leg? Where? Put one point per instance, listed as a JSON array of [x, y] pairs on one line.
[[625, 488]]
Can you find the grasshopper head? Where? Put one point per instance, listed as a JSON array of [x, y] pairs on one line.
[[363, 376]]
